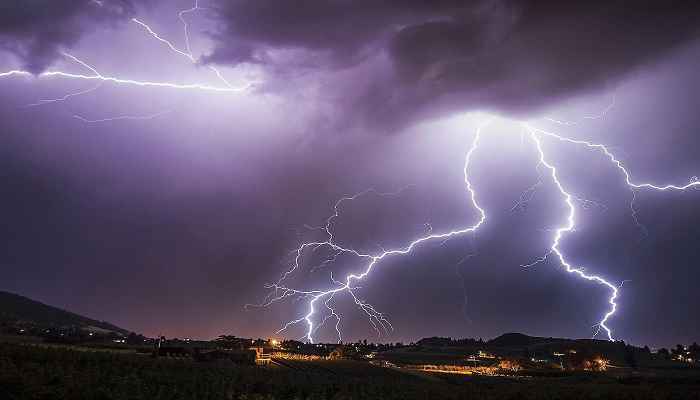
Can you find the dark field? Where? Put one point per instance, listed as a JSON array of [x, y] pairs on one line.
[[39, 372]]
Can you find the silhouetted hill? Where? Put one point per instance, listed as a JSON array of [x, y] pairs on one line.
[[519, 340], [524, 341], [617, 352], [16, 309]]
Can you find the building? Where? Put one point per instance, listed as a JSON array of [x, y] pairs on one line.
[[261, 357]]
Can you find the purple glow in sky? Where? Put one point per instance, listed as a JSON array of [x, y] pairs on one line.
[[162, 159]]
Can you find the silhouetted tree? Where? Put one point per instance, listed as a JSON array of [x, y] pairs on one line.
[[631, 357]]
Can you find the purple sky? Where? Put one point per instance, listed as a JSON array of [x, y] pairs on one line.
[[171, 221]]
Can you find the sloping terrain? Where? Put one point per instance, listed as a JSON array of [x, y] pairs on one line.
[[16, 309]]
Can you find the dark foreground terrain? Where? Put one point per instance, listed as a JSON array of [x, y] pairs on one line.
[[44, 372]]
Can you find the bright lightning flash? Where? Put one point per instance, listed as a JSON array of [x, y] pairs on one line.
[[376, 319], [316, 297], [100, 78], [122, 81]]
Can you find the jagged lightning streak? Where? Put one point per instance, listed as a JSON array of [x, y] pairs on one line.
[[186, 27], [600, 116], [694, 182], [187, 53], [66, 97], [377, 319], [73, 94], [618, 164], [92, 121], [123, 81], [559, 233], [100, 79], [526, 197], [534, 134], [121, 117]]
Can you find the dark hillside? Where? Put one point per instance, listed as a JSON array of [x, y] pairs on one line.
[[518, 340], [16, 309]]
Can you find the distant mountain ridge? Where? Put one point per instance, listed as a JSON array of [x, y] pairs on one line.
[[522, 340], [19, 309]]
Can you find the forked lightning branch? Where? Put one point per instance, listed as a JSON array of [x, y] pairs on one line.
[[320, 301]]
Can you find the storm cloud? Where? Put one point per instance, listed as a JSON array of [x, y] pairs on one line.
[[507, 56], [36, 31]]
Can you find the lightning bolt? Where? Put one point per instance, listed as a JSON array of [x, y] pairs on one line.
[[634, 186], [123, 81], [188, 52], [535, 134], [99, 78], [121, 117], [559, 234], [186, 27], [87, 120], [65, 97], [599, 116], [315, 297], [615, 161]]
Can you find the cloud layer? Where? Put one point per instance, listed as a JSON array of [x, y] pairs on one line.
[[406, 60], [508, 55], [36, 31]]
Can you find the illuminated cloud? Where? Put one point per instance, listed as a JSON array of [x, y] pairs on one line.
[[36, 31]]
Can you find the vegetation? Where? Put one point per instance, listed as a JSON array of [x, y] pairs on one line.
[[43, 372], [48, 353]]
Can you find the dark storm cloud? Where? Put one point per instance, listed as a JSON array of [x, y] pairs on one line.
[[537, 51], [341, 29], [511, 56], [37, 30]]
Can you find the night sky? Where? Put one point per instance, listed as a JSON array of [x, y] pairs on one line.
[[171, 217]]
